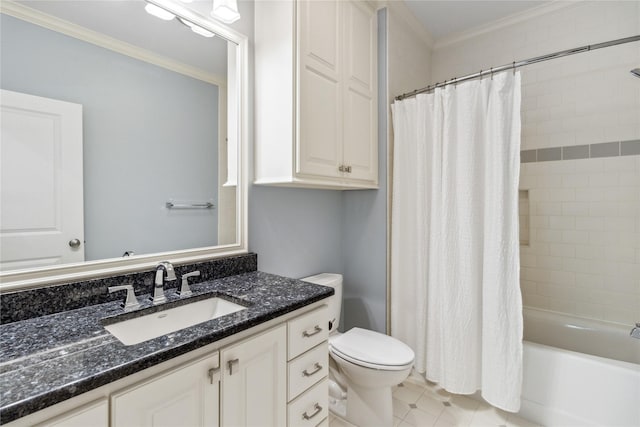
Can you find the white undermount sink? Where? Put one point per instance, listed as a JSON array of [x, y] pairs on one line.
[[143, 328]]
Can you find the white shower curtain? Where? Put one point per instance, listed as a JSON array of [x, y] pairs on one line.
[[455, 294]]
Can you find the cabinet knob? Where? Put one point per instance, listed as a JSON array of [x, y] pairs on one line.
[[341, 168], [347, 169], [74, 243]]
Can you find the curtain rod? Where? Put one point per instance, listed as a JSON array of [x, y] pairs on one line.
[[517, 64]]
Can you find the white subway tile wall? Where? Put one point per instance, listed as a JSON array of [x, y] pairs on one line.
[[583, 255]]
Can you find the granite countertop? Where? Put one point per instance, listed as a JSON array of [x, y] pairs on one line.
[[46, 360]]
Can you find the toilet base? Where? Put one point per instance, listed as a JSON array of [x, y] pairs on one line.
[[369, 407], [360, 406]]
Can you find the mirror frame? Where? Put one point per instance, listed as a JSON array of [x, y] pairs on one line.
[[43, 276]]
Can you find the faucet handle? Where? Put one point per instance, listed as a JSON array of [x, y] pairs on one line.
[[131, 302], [185, 291]]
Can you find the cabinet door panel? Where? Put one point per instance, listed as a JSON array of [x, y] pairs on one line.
[[319, 33], [320, 134], [184, 396], [360, 148], [360, 42], [94, 414], [319, 124], [253, 381]]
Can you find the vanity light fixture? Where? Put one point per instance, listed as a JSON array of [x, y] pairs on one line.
[[159, 12], [163, 14], [196, 28], [225, 11]]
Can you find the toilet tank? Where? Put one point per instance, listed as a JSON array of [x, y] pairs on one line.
[[334, 302]]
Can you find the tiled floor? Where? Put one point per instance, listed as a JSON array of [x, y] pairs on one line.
[[420, 404]]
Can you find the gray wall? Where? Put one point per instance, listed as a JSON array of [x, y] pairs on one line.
[[138, 119], [296, 232]]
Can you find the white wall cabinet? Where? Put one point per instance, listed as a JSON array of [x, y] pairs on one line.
[[316, 94], [253, 390]]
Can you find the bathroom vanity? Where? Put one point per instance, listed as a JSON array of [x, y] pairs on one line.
[[265, 364]]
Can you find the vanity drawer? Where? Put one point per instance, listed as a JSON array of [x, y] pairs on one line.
[[307, 331], [311, 408], [307, 369]]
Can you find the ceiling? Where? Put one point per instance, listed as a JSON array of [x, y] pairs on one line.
[[445, 18]]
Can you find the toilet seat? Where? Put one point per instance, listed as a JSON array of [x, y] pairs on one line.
[[372, 349]]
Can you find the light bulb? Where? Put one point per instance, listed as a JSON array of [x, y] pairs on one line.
[[201, 31], [159, 12], [196, 28], [225, 11]]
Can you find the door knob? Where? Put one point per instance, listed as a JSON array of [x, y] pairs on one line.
[[74, 243]]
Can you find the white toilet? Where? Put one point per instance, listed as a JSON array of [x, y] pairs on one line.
[[365, 365]]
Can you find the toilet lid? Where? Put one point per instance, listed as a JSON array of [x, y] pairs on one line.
[[372, 348]]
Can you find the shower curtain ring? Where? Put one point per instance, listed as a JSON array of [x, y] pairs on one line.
[[491, 73], [480, 73], [514, 68]]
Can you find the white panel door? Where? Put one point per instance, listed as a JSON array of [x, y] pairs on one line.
[[187, 396], [319, 121], [360, 109], [41, 207], [254, 381]]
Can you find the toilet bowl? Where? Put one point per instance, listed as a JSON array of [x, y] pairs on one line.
[[364, 366]]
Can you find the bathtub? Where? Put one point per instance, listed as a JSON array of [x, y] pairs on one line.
[[579, 372]]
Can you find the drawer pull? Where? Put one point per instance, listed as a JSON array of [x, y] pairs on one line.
[[316, 330], [318, 368], [318, 409]]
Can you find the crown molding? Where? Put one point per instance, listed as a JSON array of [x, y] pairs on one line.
[[516, 18], [399, 8], [50, 22]]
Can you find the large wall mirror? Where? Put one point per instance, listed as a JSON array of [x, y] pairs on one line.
[[123, 138]]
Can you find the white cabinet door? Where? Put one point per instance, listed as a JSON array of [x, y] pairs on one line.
[[185, 396], [41, 182], [253, 388], [360, 109], [94, 414], [319, 142]]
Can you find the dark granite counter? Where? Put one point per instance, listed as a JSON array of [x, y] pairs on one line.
[[47, 359]]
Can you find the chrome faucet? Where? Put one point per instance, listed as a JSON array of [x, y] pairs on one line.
[[162, 269], [635, 331]]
